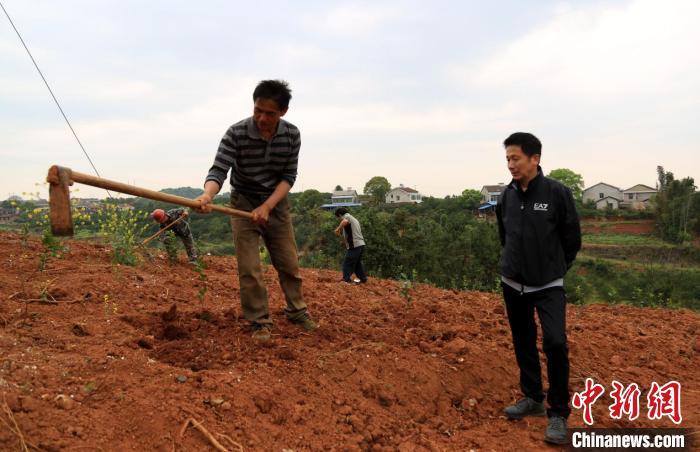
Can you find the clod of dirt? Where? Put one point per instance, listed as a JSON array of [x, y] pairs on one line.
[[385, 398], [171, 314], [286, 354], [264, 403], [345, 410], [14, 403], [30, 404], [64, 402], [80, 330], [145, 342], [457, 346], [615, 360], [174, 332], [76, 431]]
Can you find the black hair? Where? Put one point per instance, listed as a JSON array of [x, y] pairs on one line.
[[340, 211], [277, 90], [527, 142]]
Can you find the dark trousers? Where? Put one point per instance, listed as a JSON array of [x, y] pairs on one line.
[[353, 264], [551, 310], [278, 236]]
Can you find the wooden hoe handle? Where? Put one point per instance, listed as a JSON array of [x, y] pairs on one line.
[[94, 181]]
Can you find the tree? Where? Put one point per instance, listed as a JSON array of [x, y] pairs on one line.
[[377, 187], [572, 180], [338, 188], [308, 200], [472, 198], [676, 213]]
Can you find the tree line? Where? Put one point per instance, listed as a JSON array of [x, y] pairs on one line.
[[440, 241]]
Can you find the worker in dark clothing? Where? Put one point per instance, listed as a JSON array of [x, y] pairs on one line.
[[178, 219], [540, 236]]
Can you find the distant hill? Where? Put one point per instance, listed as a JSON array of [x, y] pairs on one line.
[[187, 192]]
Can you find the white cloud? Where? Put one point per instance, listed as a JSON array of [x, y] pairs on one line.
[[605, 87], [390, 118], [353, 19], [602, 53]]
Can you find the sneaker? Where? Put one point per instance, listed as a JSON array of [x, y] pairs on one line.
[[261, 332], [352, 283], [306, 323], [525, 407], [556, 431]]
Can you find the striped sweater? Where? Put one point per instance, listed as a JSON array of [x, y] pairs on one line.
[[257, 166]]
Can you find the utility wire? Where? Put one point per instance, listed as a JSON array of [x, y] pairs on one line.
[[52, 94]]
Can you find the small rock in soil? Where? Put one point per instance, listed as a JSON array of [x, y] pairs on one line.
[[80, 330], [64, 402], [181, 378], [456, 346]]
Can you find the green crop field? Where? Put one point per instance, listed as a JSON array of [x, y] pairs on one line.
[[623, 239]]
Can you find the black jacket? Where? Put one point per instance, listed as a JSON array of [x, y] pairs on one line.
[[539, 229]]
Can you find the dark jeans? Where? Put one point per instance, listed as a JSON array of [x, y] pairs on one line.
[[353, 264], [551, 310]]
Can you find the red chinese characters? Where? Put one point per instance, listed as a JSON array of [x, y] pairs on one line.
[[587, 398], [665, 401], [661, 400], [625, 401]]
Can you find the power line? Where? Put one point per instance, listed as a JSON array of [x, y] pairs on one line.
[[70, 126]]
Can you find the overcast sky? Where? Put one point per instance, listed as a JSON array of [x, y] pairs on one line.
[[420, 92]]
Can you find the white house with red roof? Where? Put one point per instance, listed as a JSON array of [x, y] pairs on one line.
[[403, 194]]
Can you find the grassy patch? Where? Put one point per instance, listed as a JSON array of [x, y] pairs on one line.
[[604, 280], [673, 256], [606, 224], [623, 240]]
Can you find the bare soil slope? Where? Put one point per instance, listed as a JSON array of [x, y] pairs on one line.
[[121, 357], [634, 227]]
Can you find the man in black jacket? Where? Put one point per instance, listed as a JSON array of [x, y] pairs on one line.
[[540, 236]]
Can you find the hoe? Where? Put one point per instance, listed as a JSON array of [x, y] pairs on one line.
[[61, 178]]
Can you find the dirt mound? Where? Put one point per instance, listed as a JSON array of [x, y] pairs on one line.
[[102, 357]]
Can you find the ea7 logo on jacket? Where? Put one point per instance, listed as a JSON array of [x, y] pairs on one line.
[[540, 206]]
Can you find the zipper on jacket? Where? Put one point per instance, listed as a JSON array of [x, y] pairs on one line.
[[522, 234]]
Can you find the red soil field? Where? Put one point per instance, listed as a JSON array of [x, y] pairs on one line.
[[121, 357], [639, 227]]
